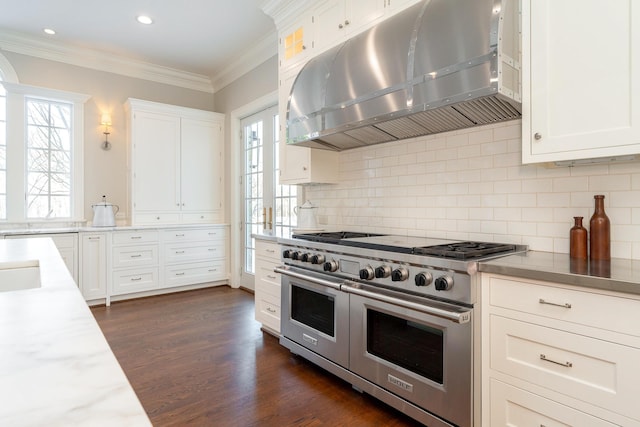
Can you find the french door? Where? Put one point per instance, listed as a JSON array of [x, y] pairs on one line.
[[267, 205]]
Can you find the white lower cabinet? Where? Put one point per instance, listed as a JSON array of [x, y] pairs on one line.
[[93, 265], [195, 255], [557, 355], [267, 286], [134, 261]]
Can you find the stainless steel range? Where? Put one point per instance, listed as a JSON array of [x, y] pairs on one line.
[[392, 315]]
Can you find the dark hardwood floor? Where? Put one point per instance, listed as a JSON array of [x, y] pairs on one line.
[[200, 359]]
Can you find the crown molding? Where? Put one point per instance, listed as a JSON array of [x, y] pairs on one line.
[[262, 51], [88, 58], [282, 11]]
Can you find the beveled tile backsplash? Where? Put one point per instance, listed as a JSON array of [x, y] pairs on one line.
[[471, 184]]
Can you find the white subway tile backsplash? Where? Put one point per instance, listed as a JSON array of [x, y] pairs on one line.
[[470, 184]]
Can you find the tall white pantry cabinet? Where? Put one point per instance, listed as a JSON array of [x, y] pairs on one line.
[[175, 164]]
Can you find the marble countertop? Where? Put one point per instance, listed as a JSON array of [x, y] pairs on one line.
[[618, 275], [56, 367], [57, 230]]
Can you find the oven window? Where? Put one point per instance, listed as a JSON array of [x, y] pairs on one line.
[[411, 345], [314, 309]]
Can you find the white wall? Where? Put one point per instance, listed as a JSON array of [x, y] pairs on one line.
[[470, 184]]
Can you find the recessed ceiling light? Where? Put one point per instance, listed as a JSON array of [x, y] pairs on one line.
[[49, 31], [143, 19]]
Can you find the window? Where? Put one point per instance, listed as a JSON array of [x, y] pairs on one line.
[[48, 159], [42, 155]]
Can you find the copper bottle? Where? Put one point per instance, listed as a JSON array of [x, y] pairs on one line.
[[599, 232], [578, 239]]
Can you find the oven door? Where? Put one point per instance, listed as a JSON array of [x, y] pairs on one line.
[[315, 313], [418, 349]]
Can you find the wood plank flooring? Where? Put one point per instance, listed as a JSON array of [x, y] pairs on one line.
[[199, 358]]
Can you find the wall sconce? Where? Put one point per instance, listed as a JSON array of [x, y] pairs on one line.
[[106, 122]]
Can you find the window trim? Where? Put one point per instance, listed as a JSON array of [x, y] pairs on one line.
[[16, 150]]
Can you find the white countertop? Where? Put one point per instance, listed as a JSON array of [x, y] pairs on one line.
[[56, 367], [57, 230]]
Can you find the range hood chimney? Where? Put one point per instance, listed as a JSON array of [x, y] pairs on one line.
[[437, 66]]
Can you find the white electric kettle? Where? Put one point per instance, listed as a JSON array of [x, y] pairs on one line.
[[103, 213], [306, 216]]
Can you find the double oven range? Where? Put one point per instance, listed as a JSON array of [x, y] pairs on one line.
[[392, 315]]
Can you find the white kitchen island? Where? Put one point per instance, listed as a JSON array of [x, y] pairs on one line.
[[56, 367]]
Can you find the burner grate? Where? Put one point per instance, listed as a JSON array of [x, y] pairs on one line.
[[333, 236], [465, 250]]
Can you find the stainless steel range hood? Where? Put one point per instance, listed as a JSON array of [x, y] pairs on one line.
[[437, 66]]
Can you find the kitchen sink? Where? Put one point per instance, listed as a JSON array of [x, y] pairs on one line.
[[17, 276]]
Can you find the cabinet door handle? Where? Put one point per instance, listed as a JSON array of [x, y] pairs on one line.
[[555, 304], [136, 256], [136, 279], [537, 136], [565, 364]]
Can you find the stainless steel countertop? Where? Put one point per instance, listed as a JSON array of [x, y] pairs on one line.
[[618, 275]]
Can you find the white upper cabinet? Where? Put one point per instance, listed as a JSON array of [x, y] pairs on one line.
[[295, 41], [175, 164], [301, 165], [337, 20], [581, 85]]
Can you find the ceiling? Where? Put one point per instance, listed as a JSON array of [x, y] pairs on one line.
[[197, 36]]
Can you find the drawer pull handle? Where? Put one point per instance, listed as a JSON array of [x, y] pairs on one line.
[[136, 279], [136, 237], [212, 249], [270, 310], [565, 364], [136, 256], [94, 238], [271, 251], [180, 274], [180, 235], [213, 269], [565, 305], [271, 277], [212, 234], [179, 252]]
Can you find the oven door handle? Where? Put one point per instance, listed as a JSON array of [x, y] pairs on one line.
[[462, 316], [316, 280]]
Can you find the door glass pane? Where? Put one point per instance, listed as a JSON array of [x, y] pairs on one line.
[[254, 188]]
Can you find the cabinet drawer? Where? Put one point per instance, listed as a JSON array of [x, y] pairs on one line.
[[134, 237], [599, 372], [193, 273], [267, 280], [133, 256], [156, 218], [267, 250], [267, 311], [511, 406], [193, 252], [137, 280], [194, 218], [600, 311], [193, 235]]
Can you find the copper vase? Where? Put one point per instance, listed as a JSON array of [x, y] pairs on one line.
[[599, 232], [578, 239]]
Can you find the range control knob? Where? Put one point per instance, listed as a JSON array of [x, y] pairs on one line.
[[383, 271], [317, 259], [305, 257], [295, 255], [367, 273], [423, 279], [330, 266], [287, 253], [399, 274], [444, 283]]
